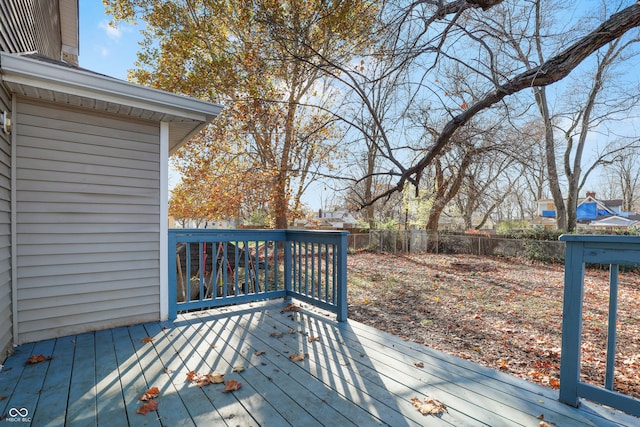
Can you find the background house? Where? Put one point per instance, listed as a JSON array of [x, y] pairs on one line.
[[591, 213], [83, 183]]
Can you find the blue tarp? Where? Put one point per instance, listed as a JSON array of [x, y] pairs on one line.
[[587, 211]]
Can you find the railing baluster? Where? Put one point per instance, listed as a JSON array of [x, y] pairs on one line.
[[611, 333]]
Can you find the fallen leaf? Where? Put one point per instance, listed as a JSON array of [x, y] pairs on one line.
[[292, 331], [152, 393], [554, 382], [275, 334], [259, 352], [544, 424], [3, 398], [37, 359], [231, 385], [213, 378], [418, 364], [291, 307], [151, 405], [430, 406], [238, 368], [146, 339], [312, 339], [298, 357], [206, 379], [192, 376]]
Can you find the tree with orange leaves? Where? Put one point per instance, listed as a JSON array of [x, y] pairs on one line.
[[261, 59]]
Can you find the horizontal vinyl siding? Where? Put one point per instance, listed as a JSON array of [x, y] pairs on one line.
[[6, 316], [88, 227], [16, 29]]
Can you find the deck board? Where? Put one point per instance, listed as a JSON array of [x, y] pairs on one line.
[[354, 375]]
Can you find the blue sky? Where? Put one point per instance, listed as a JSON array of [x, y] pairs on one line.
[[104, 49]]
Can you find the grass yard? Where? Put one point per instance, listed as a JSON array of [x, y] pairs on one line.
[[499, 312]]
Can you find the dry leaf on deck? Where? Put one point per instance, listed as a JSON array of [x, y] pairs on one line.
[[2, 398], [146, 339], [298, 357], [312, 339], [152, 393], [206, 379], [213, 378], [259, 352], [292, 331], [418, 364], [231, 385], [37, 359], [151, 405], [238, 368], [430, 406], [291, 307]]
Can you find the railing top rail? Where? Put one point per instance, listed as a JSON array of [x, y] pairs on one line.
[[228, 235], [599, 238], [256, 234]]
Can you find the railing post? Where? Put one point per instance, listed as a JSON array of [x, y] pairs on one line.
[[287, 267], [173, 285], [342, 278], [572, 323]]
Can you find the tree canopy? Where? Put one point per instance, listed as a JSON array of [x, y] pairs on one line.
[[286, 70]]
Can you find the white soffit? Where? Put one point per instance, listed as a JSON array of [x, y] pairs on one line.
[[40, 79]]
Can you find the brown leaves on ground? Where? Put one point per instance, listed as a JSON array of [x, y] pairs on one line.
[[152, 393], [259, 352], [205, 379], [298, 357], [499, 312], [151, 405], [146, 339], [429, 406], [418, 364], [313, 339], [231, 385], [149, 397], [37, 359]]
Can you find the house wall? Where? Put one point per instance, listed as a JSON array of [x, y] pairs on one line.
[[6, 320], [29, 25], [88, 220]]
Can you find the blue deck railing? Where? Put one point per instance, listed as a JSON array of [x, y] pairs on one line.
[[615, 251], [212, 268]]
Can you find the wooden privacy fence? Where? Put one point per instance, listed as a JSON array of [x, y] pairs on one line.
[[613, 250], [210, 268]]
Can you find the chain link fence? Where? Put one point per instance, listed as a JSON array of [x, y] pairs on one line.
[[416, 241]]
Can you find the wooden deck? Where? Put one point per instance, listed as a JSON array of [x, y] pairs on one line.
[[354, 375]]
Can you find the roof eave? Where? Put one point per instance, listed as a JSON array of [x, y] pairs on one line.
[[26, 71]]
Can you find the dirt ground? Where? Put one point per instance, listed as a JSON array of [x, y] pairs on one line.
[[502, 313]]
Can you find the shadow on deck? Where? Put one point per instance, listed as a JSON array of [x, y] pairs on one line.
[[354, 375]]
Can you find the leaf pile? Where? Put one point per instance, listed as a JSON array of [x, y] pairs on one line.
[[428, 406], [502, 313]]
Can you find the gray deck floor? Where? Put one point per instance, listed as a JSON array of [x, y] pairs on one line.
[[354, 375]]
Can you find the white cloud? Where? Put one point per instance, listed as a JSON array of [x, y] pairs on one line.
[[114, 33]]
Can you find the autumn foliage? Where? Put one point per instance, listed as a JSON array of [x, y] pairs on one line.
[[260, 59]]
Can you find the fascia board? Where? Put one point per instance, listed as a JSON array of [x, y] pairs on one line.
[[19, 70]]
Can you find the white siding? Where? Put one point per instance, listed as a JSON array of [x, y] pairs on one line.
[[6, 318], [88, 221]]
